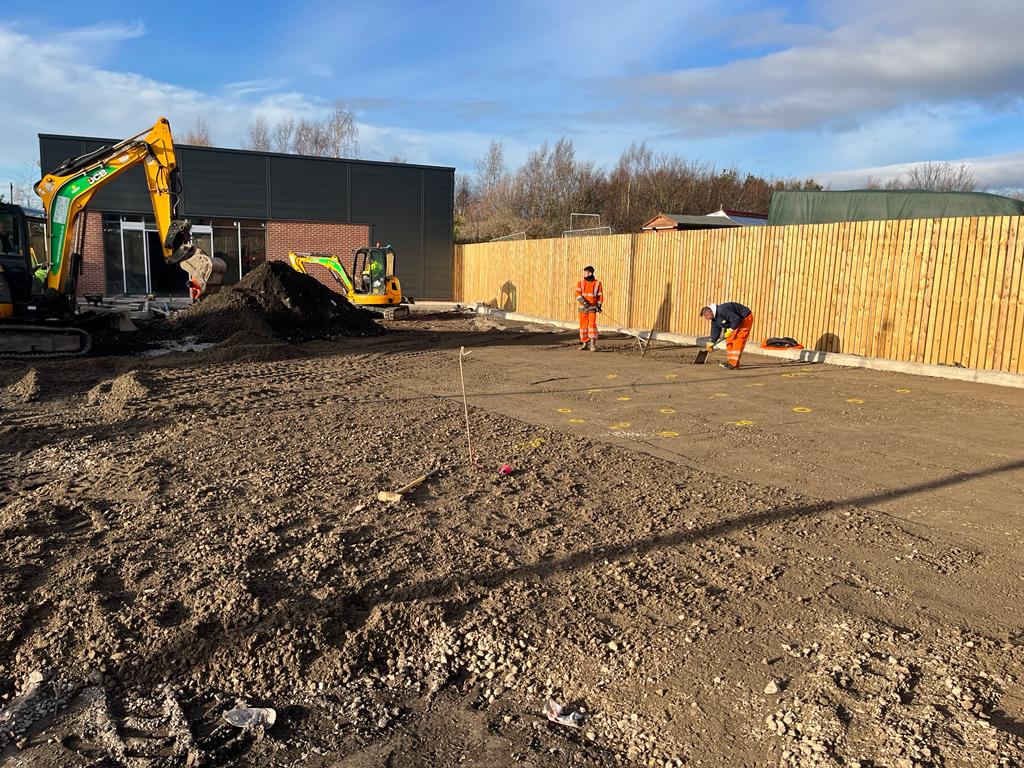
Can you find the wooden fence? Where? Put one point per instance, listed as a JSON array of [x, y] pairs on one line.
[[944, 291]]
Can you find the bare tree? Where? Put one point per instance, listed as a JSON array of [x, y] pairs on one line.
[[553, 183], [341, 127], [282, 134], [397, 159], [334, 136], [936, 177], [20, 189], [198, 135], [259, 135]]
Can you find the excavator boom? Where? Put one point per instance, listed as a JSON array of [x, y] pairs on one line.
[[68, 189]]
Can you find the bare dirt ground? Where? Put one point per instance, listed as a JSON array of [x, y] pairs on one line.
[[788, 565]]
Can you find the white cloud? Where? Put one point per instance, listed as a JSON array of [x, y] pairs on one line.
[[64, 95], [993, 173], [841, 76], [106, 33]]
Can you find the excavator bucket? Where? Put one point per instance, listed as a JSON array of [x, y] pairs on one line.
[[208, 271]]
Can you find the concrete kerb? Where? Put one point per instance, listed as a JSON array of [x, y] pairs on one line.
[[973, 375]]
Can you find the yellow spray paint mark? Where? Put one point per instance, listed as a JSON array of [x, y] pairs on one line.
[[624, 397], [667, 410], [720, 394], [613, 375], [668, 433], [855, 400], [741, 423], [801, 409], [902, 390], [621, 425], [671, 375], [594, 391], [537, 442], [794, 375], [565, 410], [577, 421]]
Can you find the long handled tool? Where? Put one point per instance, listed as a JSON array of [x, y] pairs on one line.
[[702, 355], [394, 497]]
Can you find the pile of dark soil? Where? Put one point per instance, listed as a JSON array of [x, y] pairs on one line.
[[275, 301]]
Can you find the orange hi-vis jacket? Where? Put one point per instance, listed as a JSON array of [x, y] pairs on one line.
[[589, 293]]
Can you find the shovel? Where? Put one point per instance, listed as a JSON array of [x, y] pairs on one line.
[[702, 355]]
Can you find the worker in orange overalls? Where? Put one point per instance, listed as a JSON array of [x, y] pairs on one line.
[[589, 298], [194, 290], [735, 320]]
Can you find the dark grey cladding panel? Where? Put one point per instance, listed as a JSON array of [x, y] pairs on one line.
[[53, 152], [308, 190], [385, 190], [126, 194], [224, 184], [438, 189], [388, 197]]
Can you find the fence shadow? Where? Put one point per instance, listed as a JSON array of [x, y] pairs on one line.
[[829, 342], [508, 300], [663, 320]]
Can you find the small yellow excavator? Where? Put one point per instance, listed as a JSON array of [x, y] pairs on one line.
[[40, 251], [377, 289]]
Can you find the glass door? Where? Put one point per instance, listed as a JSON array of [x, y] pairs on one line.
[[134, 258], [202, 235]]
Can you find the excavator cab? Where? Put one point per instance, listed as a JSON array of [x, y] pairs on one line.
[[374, 266], [23, 262]]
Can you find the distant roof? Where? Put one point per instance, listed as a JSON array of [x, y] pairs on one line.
[[746, 218], [815, 207], [717, 220]]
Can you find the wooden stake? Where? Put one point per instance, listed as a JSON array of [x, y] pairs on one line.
[[465, 407]]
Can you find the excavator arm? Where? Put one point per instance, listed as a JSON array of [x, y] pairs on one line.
[[67, 191], [328, 261]]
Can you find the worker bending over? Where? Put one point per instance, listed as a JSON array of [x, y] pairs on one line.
[[589, 298], [736, 320]]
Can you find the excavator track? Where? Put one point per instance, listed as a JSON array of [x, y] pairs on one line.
[[392, 313], [35, 342]]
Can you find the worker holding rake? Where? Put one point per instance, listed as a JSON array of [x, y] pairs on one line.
[[589, 298], [735, 320]]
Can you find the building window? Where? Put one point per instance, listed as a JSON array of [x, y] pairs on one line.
[[253, 236], [241, 244], [134, 260]]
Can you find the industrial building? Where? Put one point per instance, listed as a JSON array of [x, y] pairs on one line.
[[247, 207]]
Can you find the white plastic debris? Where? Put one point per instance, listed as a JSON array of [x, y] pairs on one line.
[[250, 717], [556, 714]]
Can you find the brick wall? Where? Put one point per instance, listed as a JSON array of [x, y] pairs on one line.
[[92, 278], [315, 236]]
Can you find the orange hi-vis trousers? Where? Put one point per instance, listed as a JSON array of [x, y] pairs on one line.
[[588, 326], [738, 340]]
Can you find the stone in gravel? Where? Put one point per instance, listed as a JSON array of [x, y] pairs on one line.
[[774, 687]]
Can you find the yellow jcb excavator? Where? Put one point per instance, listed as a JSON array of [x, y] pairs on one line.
[[40, 251], [378, 290]]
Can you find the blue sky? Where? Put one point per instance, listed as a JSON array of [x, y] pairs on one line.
[[840, 91]]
